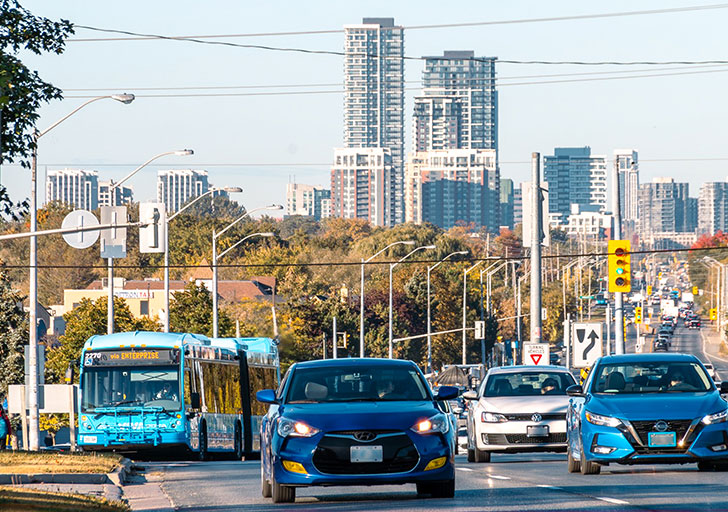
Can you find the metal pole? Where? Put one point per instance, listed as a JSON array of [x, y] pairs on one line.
[[518, 322], [361, 311], [465, 303], [336, 342], [536, 223], [32, 441], [609, 330], [391, 267], [618, 297], [429, 324], [110, 305], [166, 275], [214, 284], [567, 339], [482, 315]]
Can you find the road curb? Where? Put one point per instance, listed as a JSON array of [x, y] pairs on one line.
[[116, 477]]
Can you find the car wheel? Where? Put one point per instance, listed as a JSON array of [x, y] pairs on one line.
[[587, 467], [238, 441], [471, 455], [203, 455], [573, 465], [281, 493], [437, 489], [706, 466], [265, 487], [482, 455]]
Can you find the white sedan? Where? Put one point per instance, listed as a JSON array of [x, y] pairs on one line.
[[518, 409]]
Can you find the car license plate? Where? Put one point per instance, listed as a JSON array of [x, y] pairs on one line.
[[661, 440], [90, 439], [366, 453], [537, 431]]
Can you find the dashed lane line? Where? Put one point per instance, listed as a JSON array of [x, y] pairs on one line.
[[613, 501], [499, 477], [464, 469]]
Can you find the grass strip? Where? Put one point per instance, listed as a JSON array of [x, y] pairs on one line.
[[19, 499], [21, 462]]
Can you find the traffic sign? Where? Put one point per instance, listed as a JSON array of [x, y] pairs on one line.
[[152, 236], [113, 240], [80, 219], [479, 330], [587, 344], [536, 354]]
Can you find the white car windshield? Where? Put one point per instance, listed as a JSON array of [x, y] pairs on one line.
[[528, 383]]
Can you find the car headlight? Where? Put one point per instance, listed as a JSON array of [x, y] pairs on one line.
[[718, 417], [294, 428], [493, 417], [438, 423], [603, 421]]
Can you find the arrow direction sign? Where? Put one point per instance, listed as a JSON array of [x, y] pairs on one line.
[[536, 354], [587, 344]]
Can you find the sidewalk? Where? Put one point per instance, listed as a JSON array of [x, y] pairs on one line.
[[144, 492]]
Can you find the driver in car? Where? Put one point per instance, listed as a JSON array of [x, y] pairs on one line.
[[166, 393], [548, 387]]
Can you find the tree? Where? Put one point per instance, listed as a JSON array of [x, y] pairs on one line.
[[191, 311], [84, 321], [22, 91], [13, 334]]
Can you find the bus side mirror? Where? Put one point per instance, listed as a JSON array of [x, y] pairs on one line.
[[195, 400]]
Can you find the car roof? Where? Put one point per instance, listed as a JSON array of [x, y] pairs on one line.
[[354, 361], [527, 367], [635, 358]]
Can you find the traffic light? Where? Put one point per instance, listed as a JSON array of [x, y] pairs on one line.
[[638, 315], [695, 290], [713, 313], [620, 278], [649, 290]]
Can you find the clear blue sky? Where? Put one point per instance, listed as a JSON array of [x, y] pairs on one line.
[[664, 117]]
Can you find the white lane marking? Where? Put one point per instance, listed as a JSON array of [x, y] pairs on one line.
[[464, 469], [498, 477], [710, 356], [545, 486], [613, 501]]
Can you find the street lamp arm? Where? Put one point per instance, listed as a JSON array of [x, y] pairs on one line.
[[405, 242], [223, 253], [211, 191], [132, 173], [411, 253], [38, 135], [270, 207], [443, 260]]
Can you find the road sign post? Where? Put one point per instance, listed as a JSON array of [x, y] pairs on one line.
[[587, 344], [536, 354]]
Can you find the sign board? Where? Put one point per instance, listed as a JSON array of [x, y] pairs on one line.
[[52, 398], [536, 354], [135, 357], [527, 213], [80, 219], [152, 236], [479, 330], [133, 294], [587, 341], [113, 241]]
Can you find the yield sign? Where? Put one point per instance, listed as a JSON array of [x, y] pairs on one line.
[[536, 353]]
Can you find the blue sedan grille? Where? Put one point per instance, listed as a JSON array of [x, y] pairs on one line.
[[333, 454]]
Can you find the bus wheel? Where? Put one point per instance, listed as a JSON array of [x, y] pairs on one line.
[[203, 441], [238, 441]]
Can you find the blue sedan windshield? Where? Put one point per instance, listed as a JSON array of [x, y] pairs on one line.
[[651, 377], [356, 383]]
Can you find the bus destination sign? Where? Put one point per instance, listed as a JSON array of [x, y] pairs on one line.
[[140, 357]]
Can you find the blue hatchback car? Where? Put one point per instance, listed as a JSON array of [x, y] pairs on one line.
[[356, 422], [647, 409]]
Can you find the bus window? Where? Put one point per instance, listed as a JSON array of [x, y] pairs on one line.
[[260, 378]]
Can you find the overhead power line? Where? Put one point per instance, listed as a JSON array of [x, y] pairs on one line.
[[146, 37]]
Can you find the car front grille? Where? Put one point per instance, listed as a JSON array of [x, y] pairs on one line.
[[528, 416], [644, 427], [503, 439], [333, 454]]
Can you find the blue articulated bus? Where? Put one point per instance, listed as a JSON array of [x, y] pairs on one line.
[[151, 391]]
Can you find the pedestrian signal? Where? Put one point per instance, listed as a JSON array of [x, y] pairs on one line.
[[620, 279]]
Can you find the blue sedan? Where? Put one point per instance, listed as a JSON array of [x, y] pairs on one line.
[[647, 409], [356, 422]]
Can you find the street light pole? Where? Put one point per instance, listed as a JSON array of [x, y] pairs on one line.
[[391, 269], [465, 304], [32, 442], [215, 236], [361, 291]]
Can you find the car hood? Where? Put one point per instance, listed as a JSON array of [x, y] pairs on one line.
[[399, 415], [525, 404], [653, 406]]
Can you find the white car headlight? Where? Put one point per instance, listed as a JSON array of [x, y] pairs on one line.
[[438, 423], [603, 421], [492, 417], [287, 427], [718, 417]]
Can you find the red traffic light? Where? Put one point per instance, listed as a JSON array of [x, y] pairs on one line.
[[619, 281], [619, 251]]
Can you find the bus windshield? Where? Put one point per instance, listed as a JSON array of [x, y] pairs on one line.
[[148, 386]]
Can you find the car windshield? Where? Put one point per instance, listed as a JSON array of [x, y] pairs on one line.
[[357, 383], [651, 377], [528, 383]]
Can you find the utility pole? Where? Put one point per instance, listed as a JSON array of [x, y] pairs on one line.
[[618, 297], [335, 340], [536, 224]]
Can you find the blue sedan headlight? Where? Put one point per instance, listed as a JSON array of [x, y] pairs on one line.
[[602, 421], [437, 423], [718, 417], [287, 427]]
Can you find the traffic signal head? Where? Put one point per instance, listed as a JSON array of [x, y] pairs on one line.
[[713, 313], [638, 315], [619, 274]]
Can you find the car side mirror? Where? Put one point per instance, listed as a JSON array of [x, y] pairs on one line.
[[724, 387], [575, 390], [266, 396], [470, 395], [195, 400], [446, 393]]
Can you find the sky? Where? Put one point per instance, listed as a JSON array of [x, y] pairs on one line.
[[261, 142]]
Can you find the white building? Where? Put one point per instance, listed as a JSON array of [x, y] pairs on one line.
[[591, 224], [713, 207], [307, 200], [74, 187], [361, 185], [122, 195], [176, 187], [629, 188]]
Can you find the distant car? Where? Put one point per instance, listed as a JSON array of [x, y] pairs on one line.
[[518, 409], [660, 345], [463, 438], [710, 369], [356, 421], [647, 409], [693, 324]]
